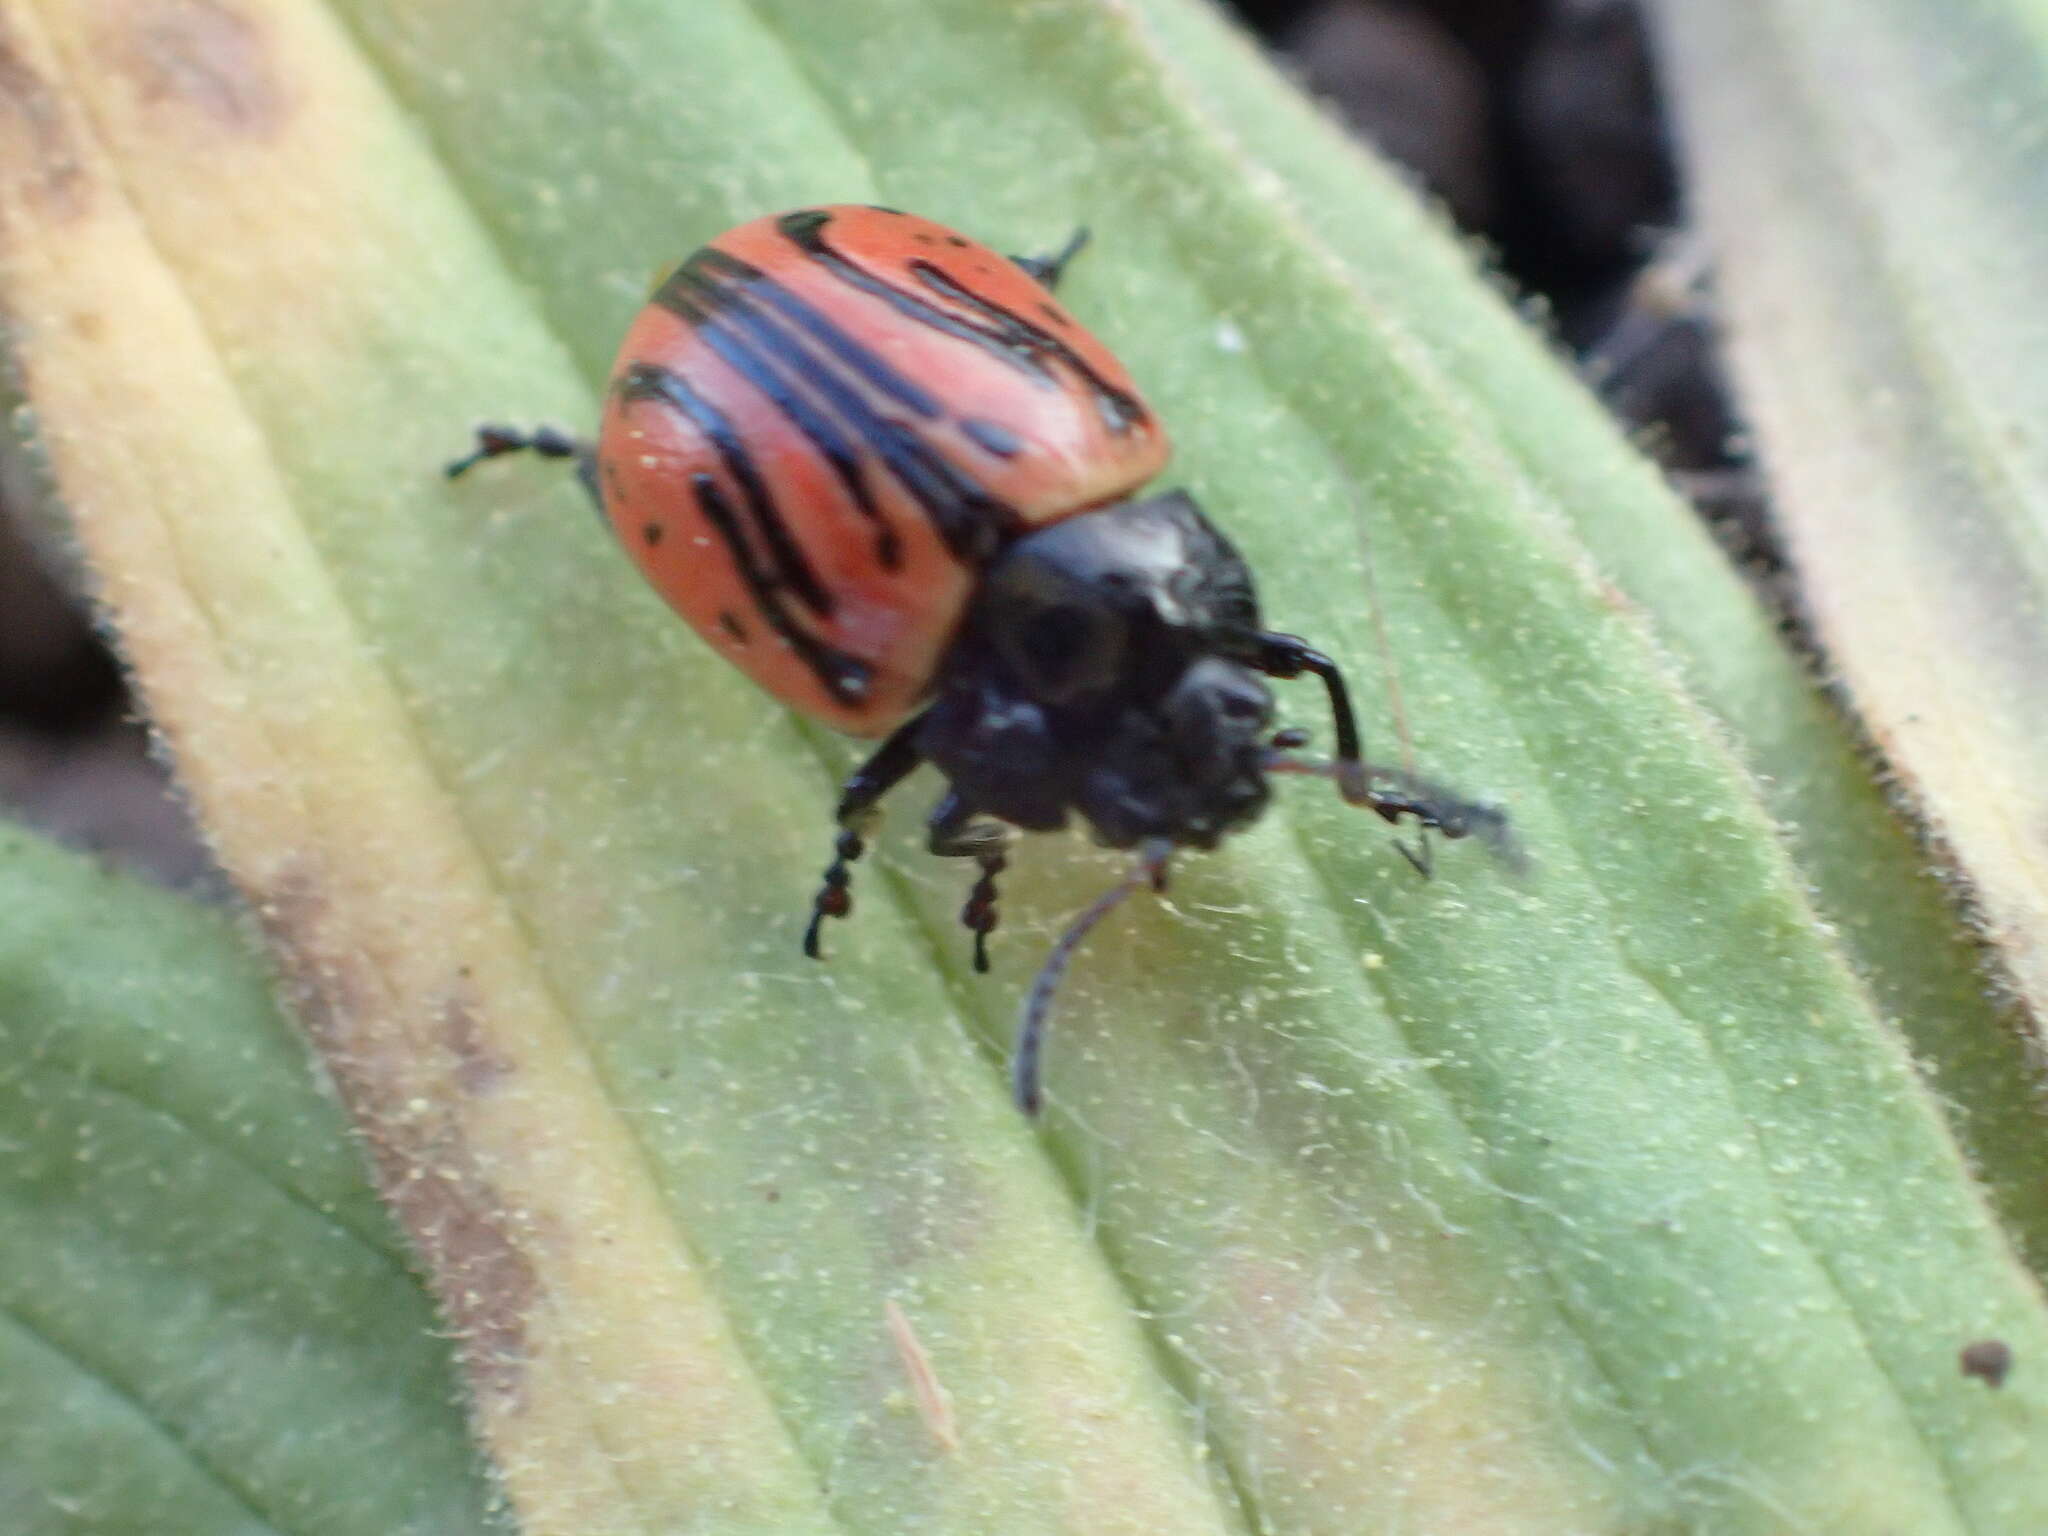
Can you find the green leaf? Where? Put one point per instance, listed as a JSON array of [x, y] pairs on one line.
[[1880, 252], [206, 1323], [1596, 1201]]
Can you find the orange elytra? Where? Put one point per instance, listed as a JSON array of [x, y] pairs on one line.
[[861, 407]]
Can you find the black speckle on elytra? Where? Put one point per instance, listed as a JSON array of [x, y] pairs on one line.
[[956, 242], [652, 534], [732, 626], [1054, 313]]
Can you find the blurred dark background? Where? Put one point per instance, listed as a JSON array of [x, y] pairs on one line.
[[1535, 123]]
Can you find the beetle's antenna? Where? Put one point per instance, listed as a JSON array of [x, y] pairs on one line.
[[1024, 1064]]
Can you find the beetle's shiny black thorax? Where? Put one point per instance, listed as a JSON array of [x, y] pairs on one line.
[[1096, 673]]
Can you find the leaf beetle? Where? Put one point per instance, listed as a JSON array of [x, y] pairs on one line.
[[880, 469]]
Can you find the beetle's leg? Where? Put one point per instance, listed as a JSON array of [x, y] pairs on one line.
[[1288, 656], [1398, 793], [494, 441], [858, 796], [956, 833], [1390, 793], [1046, 270]]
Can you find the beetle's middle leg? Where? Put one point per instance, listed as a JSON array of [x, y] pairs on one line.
[[956, 832]]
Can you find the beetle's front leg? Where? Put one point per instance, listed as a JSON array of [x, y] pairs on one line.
[[859, 799]]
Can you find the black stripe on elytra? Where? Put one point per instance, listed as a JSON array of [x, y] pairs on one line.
[[729, 273], [1001, 332], [970, 521], [1121, 410], [842, 676], [647, 381], [991, 437], [713, 315]]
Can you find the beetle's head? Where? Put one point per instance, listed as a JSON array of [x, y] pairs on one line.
[[1094, 675]]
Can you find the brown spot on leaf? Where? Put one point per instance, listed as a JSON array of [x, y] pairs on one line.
[[327, 1000], [1989, 1360], [420, 1154], [485, 1283], [479, 1066], [38, 158], [208, 56]]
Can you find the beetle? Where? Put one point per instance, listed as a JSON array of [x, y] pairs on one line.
[[879, 468]]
